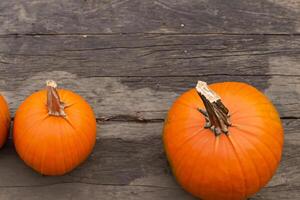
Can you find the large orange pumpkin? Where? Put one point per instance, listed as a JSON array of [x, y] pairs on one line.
[[4, 121], [54, 130], [231, 150]]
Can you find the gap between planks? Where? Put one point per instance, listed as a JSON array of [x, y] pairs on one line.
[[147, 34]]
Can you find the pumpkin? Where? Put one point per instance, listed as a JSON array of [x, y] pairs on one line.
[[223, 141], [4, 121], [54, 130]]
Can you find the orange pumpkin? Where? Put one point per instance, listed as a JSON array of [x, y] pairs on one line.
[[54, 130], [231, 150], [4, 121]]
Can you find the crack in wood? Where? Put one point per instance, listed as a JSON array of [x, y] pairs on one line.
[[289, 117], [128, 118], [233, 55], [191, 75], [89, 183], [137, 119], [149, 34]]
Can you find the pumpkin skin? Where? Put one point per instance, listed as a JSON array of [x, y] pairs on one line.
[[4, 121], [54, 145], [227, 167]]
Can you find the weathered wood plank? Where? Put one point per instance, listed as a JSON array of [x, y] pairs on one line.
[[131, 16], [150, 55], [78, 191], [280, 192], [130, 59], [138, 98], [134, 62], [125, 164]]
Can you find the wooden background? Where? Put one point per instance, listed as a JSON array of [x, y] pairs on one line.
[[130, 59]]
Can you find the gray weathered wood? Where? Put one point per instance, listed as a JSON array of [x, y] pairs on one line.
[[128, 160], [130, 60], [150, 55], [146, 97], [131, 16], [105, 69]]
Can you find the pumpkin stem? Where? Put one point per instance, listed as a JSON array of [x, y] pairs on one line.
[[216, 114], [55, 106]]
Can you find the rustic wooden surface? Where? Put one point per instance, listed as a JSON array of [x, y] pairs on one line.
[[130, 59]]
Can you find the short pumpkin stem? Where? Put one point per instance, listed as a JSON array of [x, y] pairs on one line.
[[55, 106], [216, 114]]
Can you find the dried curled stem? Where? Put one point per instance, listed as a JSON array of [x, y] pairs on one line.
[[55, 105], [216, 114]]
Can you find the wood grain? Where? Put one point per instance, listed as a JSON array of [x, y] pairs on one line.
[[130, 60], [125, 164], [150, 55], [146, 98], [108, 69], [132, 16]]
